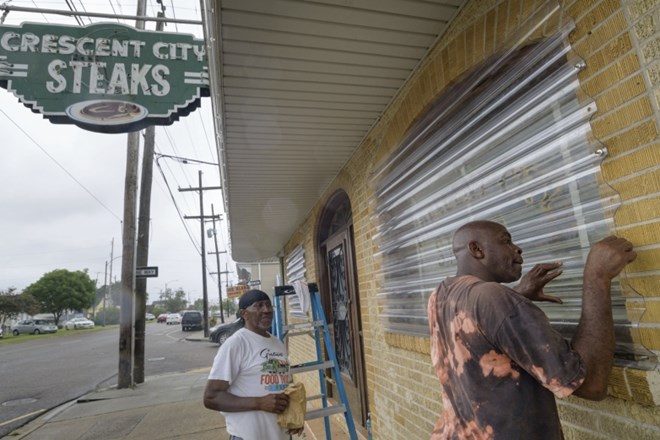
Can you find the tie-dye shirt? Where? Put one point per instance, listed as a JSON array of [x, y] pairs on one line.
[[499, 361]]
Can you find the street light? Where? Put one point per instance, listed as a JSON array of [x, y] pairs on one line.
[[184, 160], [108, 284]]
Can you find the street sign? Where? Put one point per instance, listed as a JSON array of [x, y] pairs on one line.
[[254, 283], [146, 272]]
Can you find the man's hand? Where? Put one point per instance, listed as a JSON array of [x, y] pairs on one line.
[[609, 256], [532, 283], [275, 403]]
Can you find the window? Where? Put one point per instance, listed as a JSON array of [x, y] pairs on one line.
[[509, 142]]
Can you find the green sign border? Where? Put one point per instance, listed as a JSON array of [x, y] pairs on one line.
[[103, 77]]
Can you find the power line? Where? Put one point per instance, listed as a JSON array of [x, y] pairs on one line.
[[43, 15], [206, 135], [113, 10], [176, 206], [84, 9], [192, 142], [72, 7], [186, 159], [175, 149], [121, 11], [169, 187], [174, 16], [61, 166], [182, 169]]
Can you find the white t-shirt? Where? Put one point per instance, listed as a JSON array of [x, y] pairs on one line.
[[254, 366]]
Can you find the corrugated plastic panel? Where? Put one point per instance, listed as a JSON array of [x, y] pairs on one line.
[[509, 143]]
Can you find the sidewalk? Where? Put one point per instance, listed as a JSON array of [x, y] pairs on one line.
[[164, 407]]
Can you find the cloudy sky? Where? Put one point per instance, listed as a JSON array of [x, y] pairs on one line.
[[62, 188]]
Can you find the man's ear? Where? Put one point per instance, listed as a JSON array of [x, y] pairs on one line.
[[475, 250]]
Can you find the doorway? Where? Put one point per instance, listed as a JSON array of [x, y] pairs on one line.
[[341, 302]]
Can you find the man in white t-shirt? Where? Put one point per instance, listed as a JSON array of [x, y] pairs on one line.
[[249, 373]]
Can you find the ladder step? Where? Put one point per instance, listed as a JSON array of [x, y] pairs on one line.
[[303, 325], [311, 366], [300, 333], [324, 412]]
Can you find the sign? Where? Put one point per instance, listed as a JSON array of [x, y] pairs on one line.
[[254, 283], [104, 77], [236, 291], [146, 272]]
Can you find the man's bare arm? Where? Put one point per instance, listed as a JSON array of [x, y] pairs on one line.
[[594, 337], [217, 398]]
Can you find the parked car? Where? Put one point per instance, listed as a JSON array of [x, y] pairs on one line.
[[2, 332], [162, 317], [149, 317], [192, 320], [221, 332], [173, 318], [76, 323], [33, 326]]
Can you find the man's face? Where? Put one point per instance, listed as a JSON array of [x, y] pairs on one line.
[[502, 258], [259, 316]]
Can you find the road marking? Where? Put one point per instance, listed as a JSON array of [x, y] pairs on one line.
[[22, 417]]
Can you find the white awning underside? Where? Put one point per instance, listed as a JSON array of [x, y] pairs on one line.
[[296, 86]]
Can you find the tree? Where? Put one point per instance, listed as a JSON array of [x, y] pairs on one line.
[[13, 304], [109, 316], [115, 293], [229, 306], [198, 304], [62, 290], [174, 301]]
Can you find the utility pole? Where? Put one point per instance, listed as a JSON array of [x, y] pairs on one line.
[[125, 373], [201, 218], [142, 257], [217, 260], [108, 288], [105, 289], [125, 376]]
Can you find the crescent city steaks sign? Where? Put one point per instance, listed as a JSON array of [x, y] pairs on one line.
[[105, 77]]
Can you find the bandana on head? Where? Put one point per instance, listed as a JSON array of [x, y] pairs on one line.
[[250, 297]]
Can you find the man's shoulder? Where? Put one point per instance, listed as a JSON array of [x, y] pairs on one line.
[[489, 287], [237, 339], [485, 295], [497, 293], [477, 286]]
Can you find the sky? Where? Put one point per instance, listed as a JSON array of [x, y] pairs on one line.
[[62, 187]]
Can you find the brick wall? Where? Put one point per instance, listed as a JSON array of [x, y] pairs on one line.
[[620, 42]]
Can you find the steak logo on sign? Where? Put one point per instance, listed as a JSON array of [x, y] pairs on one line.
[[104, 77]]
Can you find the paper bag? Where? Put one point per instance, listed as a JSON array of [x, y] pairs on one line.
[[293, 416]]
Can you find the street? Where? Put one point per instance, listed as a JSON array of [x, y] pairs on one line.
[[40, 374]]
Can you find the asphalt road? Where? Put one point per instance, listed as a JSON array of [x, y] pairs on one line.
[[43, 373]]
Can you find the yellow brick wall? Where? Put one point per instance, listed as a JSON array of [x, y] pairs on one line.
[[620, 42]]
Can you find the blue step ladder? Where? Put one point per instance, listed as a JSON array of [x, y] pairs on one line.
[[318, 326]]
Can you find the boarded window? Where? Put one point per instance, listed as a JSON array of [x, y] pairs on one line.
[[510, 142], [295, 272]]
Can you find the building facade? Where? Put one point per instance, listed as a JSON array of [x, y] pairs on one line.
[[542, 115]]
